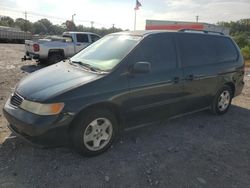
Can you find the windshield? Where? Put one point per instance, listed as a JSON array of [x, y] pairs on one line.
[[107, 52]]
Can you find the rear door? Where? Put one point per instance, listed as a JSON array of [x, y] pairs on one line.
[[82, 41], [199, 61], [156, 94]]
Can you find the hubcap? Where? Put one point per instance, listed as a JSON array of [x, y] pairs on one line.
[[224, 100], [98, 134]]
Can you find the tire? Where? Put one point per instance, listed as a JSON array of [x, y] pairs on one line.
[[54, 57], [94, 132], [222, 100]]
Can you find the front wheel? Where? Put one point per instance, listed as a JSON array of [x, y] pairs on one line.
[[94, 133], [222, 100]]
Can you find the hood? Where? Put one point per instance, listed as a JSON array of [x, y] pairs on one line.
[[53, 80]]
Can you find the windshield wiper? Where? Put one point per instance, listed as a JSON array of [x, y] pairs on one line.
[[87, 66]]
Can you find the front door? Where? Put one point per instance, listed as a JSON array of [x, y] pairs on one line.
[[156, 94]]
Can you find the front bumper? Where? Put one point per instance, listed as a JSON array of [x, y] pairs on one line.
[[41, 130]]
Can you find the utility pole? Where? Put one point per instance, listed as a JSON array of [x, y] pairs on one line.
[[197, 18], [73, 17], [25, 23], [113, 26], [135, 21], [92, 24]]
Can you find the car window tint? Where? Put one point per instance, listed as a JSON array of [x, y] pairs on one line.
[[200, 49], [196, 49], [225, 49], [82, 38], [159, 50], [94, 38]]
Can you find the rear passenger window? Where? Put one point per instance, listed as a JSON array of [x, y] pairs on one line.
[[196, 49], [159, 50], [225, 49], [82, 38], [94, 38]]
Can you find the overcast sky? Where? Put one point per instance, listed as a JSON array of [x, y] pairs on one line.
[[121, 12]]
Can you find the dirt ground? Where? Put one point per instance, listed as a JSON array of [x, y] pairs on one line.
[[199, 150]]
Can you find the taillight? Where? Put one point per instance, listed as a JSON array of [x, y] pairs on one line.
[[36, 47]]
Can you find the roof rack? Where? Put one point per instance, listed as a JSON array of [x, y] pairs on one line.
[[201, 31]]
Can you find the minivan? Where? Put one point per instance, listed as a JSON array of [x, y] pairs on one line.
[[125, 80]]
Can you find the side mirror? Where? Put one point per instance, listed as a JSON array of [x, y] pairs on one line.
[[142, 67]]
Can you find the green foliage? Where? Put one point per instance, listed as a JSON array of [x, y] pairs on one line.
[[246, 52], [45, 27], [6, 21], [39, 28], [240, 30], [241, 26], [101, 32], [241, 40], [23, 24]]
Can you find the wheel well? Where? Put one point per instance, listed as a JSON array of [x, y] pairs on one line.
[[232, 86], [59, 51], [104, 105]]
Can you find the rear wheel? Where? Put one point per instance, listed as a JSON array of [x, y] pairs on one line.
[[222, 100], [94, 133], [55, 57]]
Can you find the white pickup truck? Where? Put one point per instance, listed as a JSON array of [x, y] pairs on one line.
[[55, 49]]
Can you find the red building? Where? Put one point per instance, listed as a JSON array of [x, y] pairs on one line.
[[177, 25]]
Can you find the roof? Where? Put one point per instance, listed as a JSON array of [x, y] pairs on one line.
[[78, 32], [149, 32], [144, 32]]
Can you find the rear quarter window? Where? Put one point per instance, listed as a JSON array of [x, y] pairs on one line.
[[225, 49]]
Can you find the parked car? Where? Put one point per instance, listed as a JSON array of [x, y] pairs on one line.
[[122, 81], [55, 49]]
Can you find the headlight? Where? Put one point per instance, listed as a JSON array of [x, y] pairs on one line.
[[42, 109]]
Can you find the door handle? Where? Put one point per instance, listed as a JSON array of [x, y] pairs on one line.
[[176, 79], [78, 44], [190, 77]]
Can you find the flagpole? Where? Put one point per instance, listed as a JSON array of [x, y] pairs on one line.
[[135, 21]]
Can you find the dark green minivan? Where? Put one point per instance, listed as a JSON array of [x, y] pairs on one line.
[[122, 81]]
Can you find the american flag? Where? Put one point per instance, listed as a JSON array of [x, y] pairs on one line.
[[137, 5]]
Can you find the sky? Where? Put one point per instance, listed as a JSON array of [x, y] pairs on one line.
[[104, 13]]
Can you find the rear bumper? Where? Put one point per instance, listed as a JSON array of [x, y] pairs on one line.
[[30, 55], [41, 130]]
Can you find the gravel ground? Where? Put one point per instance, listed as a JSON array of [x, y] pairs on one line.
[[199, 150]]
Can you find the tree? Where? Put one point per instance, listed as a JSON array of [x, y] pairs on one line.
[[246, 52], [39, 28], [6, 21], [23, 24], [46, 23], [241, 40], [56, 30], [241, 26]]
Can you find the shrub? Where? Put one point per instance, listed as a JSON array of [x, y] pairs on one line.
[[246, 52]]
